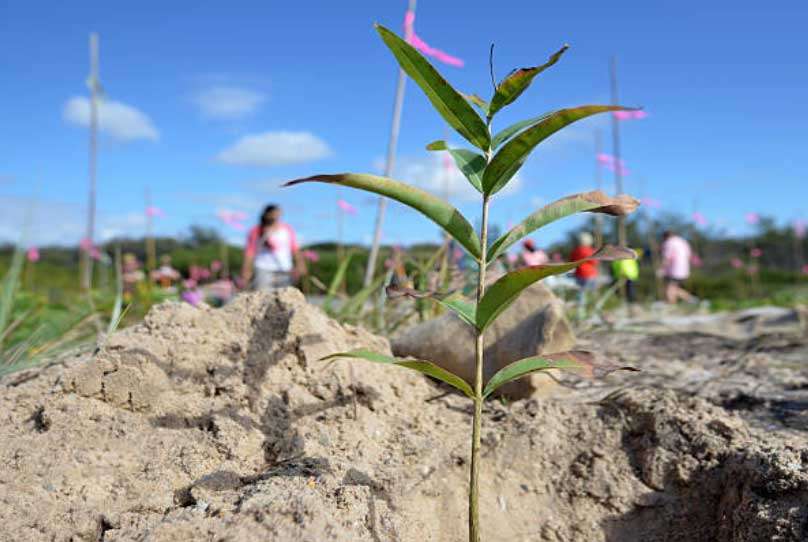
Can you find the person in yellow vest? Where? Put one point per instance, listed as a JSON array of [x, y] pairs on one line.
[[629, 271]]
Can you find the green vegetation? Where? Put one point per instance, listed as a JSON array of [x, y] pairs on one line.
[[502, 156]]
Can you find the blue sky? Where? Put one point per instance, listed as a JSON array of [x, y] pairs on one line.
[[206, 103]]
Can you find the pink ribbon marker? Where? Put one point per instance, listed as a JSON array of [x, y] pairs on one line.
[[752, 218], [346, 207], [413, 39], [756, 253], [311, 256], [152, 211], [800, 227], [32, 254], [609, 162], [700, 219], [233, 219], [629, 115]]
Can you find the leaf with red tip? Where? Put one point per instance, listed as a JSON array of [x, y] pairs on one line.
[[579, 361], [510, 88], [592, 202], [505, 290]]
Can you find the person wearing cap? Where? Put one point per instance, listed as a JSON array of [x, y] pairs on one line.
[[531, 255], [586, 274]]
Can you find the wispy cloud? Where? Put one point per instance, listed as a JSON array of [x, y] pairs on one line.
[[43, 221], [275, 149], [228, 102], [119, 120]]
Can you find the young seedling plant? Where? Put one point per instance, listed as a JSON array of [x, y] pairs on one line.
[[488, 168]]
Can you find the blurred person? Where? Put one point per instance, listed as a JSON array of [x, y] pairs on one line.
[[586, 274], [165, 275], [629, 272], [131, 275], [676, 256], [272, 257], [531, 255]]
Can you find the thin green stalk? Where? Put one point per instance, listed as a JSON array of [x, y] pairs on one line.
[[474, 479], [474, 482]]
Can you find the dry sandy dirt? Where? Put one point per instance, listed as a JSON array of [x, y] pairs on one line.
[[222, 425]]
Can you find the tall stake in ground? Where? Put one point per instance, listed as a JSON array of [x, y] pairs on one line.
[[93, 83], [389, 164], [598, 185], [151, 247], [618, 168]]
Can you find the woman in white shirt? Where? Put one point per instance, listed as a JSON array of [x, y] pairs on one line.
[[272, 256]]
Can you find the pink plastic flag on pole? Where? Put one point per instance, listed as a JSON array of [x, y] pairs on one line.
[[346, 207], [630, 115], [799, 227], [447, 162], [32, 254], [233, 219], [609, 162], [414, 40], [86, 245], [752, 218], [152, 211], [311, 256], [651, 203], [700, 219]]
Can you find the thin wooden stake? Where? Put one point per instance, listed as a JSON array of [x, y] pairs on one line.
[[390, 162], [93, 83], [618, 169]]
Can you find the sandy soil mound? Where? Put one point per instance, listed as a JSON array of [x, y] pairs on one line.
[[202, 424]]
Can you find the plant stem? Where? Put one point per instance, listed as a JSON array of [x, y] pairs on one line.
[[474, 481]]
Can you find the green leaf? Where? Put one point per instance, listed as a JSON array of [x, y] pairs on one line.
[[437, 210], [471, 165], [593, 202], [462, 307], [512, 155], [354, 305], [506, 133], [425, 367], [517, 81], [336, 280], [582, 362], [481, 104], [446, 100], [505, 290], [439, 145]]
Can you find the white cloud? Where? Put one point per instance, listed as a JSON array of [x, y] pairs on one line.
[[430, 173], [228, 103], [119, 120], [275, 149], [130, 224]]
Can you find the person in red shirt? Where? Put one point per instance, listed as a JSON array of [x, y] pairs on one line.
[[586, 273]]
